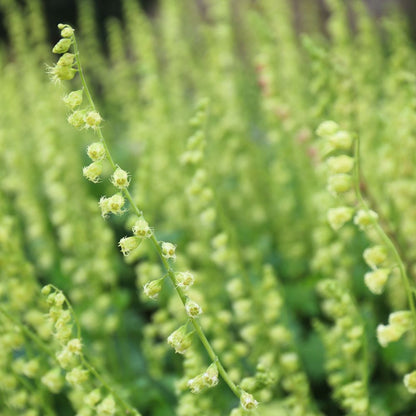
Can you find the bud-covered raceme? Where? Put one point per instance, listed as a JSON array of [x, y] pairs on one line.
[[337, 217], [120, 178]]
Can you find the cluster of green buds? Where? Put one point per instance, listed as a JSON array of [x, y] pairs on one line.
[[64, 69], [399, 323], [209, 378], [340, 181], [345, 347], [69, 356], [337, 143]]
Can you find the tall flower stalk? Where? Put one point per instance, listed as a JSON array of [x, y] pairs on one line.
[[344, 182], [180, 339]]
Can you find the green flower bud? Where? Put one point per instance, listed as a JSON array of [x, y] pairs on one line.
[[67, 32], [327, 128], [73, 99], [410, 382], [376, 280], [76, 119], [77, 376], [340, 183], [120, 178], [67, 59], [128, 244], [61, 73], [74, 346], [388, 333], [192, 308], [141, 229], [196, 384], [402, 319], [62, 46], [375, 256], [53, 380], [112, 205], [153, 288], [184, 279], [337, 217], [168, 250], [341, 140], [340, 164], [247, 401], [96, 151], [92, 398], [365, 218], [210, 377], [107, 407], [93, 120], [93, 171], [180, 340]]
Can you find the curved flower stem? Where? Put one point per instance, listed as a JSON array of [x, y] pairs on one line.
[[171, 273], [382, 234]]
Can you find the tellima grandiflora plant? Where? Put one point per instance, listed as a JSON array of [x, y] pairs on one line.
[[208, 211]]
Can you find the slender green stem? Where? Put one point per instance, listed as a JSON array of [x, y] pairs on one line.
[[382, 234], [195, 323]]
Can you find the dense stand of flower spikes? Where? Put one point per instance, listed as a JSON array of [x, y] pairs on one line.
[[239, 189]]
